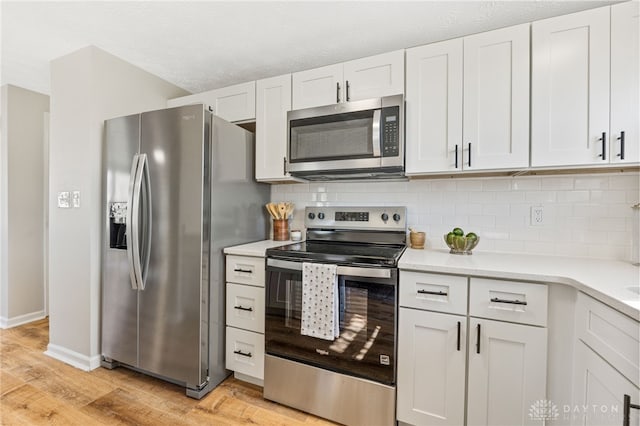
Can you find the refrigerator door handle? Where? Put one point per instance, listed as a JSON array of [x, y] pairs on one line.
[[146, 226], [132, 232]]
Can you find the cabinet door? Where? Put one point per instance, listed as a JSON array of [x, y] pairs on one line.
[[434, 107], [625, 82], [507, 372], [317, 87], [570, 89], [496, 99], [236, 103], [374, 76], [599, 391], [273, 101], [431, 368]]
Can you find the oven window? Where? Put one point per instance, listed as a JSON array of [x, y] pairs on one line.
[[341, 136], [365, 346]]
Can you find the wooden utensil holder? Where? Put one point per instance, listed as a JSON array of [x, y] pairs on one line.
[[280, 229]]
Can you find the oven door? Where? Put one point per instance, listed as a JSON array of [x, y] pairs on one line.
[[366, 345]]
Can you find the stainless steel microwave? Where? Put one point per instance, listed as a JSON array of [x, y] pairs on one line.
[[351, 140]]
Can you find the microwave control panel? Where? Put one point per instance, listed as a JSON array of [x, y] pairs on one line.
[[390, 118]]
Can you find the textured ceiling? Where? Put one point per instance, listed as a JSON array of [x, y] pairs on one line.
[[205, 45]]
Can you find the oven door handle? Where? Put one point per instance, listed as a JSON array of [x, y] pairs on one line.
[[352, 271]]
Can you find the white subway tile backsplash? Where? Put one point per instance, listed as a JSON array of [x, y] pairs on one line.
[[584, 215]]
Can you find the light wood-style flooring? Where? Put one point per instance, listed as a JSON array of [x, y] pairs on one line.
[[36, 389]]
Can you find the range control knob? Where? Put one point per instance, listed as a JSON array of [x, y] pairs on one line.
[[385, 217], [311, 216], [320, 216], [396, 217]]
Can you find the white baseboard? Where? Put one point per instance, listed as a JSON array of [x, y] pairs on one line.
[[21, 319], [73, 358], [249, 379]]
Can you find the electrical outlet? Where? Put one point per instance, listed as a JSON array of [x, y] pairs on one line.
[[63, 200], [537, 215], [75, 198]]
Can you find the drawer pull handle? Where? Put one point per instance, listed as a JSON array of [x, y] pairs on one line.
[[242, 308], [247, 354], [626, 415], [458, 336], [437, 293], [478, 341], [513, 302], [248, 271]]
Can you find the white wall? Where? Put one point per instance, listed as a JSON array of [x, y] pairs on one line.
[[587, 215], [87, 87], [22, 165]]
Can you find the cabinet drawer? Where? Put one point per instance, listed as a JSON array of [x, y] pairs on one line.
[[245, 307], [613, 335], [245, 352], [245, 270], [435, 292], [512, 301]]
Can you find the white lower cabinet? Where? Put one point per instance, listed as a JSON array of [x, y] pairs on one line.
[[245, 317], [456, 369], [599, 391], [507, 372], [431, 367], [245, 352]]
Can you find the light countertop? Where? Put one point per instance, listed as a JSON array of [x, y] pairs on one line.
[[609, 281], [256, 249]]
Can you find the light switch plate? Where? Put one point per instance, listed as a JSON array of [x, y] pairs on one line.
[[75, 198], [63, 200]]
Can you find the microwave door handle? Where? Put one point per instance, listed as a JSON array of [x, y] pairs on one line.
[[375, 133]]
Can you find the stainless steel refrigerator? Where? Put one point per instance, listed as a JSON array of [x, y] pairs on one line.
[[178, 187]]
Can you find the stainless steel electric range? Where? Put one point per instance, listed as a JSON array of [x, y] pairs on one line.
[[350, 379]]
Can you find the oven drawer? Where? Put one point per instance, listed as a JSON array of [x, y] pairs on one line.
[[513, 301], [245, 307], [245, 352], [245, 270], [434, 292]]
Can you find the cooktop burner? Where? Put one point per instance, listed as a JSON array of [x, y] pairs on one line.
[[339, 253], [374, 236]]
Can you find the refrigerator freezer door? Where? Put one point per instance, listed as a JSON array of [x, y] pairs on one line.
[[119, 300], [175, 296]]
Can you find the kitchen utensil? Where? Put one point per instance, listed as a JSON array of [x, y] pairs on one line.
[[417, 239], [280, 229]]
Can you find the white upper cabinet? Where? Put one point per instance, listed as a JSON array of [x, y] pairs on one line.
[[374, 77], [365, 78], [570, 89], [625, 83], [473, 116], [319, 86], [434, 107], [496, 99], [273, 97], [233, 103]]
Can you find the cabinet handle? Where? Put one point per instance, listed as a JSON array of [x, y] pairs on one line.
[[284, 165], [513, 302], [438, 293], [242, 308], [469, 154], [239, 352], [458, 344], [621, 139], [626, 415], [478, 340], [348, 97], [604, 146], [456, 156], [248, 271], [337, 93]]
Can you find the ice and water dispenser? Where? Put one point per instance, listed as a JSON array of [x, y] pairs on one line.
[[118, 225]]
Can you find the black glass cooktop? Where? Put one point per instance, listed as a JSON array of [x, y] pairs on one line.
[[339, 253]]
